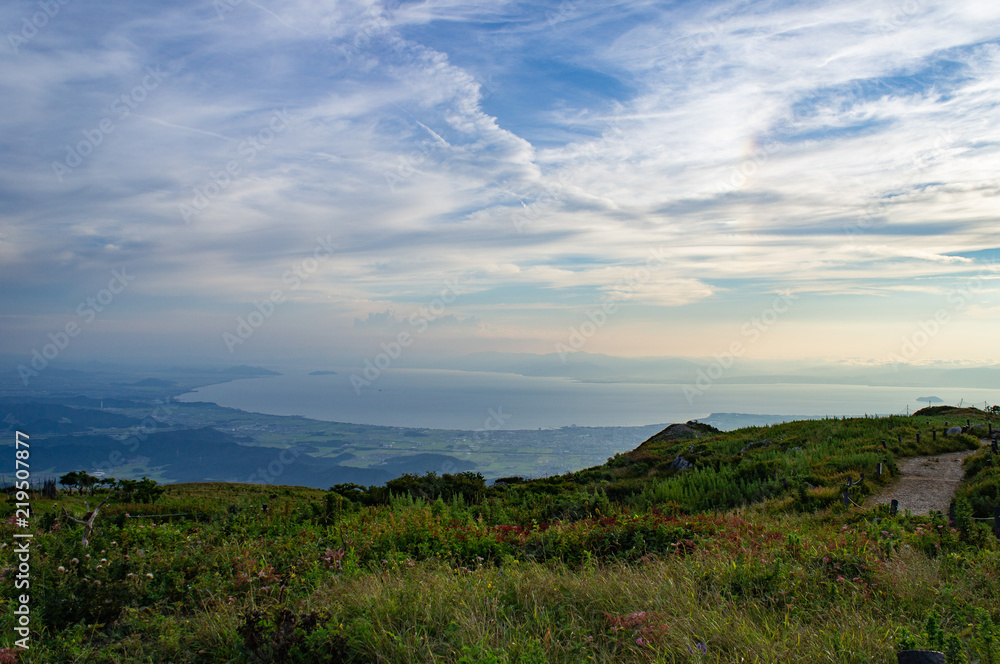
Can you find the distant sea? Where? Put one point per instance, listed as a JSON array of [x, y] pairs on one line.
[[478, 400]]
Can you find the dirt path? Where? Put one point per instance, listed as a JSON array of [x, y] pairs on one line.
[[926, 483]]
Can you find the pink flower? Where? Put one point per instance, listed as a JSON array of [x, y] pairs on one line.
[[840, 579], [640, 641]]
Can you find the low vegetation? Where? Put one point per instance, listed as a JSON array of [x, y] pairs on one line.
[[698, 546]]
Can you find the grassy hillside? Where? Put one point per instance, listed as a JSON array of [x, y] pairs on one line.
[[698, 546]]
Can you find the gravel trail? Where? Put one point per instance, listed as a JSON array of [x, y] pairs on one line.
[[926, 483]]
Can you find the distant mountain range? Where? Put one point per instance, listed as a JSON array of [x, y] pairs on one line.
[[606, 368], [47, 418]]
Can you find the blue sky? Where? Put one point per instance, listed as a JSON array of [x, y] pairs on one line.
[[678, 162]]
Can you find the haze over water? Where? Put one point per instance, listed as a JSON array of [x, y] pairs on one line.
[[467, 400]]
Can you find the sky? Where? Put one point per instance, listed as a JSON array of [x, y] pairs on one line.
[[250, 182]]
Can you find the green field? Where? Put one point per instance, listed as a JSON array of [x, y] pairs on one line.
[[746, 555]]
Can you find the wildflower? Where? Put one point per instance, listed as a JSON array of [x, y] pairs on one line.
[[149, 575], [640, 641], [75, 561], [840, 579], [61, 569], [97, 582], [104, 560]]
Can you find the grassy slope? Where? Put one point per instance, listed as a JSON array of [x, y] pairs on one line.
[[617, 563]]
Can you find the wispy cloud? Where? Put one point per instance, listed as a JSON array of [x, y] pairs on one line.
[[836, 150]]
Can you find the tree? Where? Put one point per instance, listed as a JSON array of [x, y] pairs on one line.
[[70, 480], [126, 490], [86, 481], [49, 488], [140, 491], [147, 491]]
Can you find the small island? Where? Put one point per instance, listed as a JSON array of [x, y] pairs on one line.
[[322, 373]]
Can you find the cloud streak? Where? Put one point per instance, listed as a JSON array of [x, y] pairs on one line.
[[843, 150]]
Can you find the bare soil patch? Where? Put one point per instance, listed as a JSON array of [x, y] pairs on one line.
[[926, 483]]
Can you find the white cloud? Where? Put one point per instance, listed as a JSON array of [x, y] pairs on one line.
[[832, 149]]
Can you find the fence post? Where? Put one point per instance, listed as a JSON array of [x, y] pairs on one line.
[[996, 521], [918, 438], [934, 434], [894, 508]]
